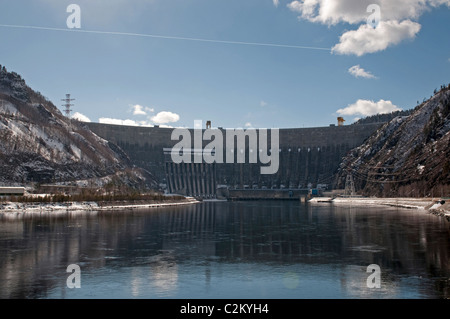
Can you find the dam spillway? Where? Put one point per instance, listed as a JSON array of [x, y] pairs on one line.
[[308, 157]]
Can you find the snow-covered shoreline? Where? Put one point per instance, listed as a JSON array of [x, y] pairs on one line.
[[430, 205], [17, 208]]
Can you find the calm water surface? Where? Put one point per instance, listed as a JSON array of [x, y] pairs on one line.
[[254, 249]]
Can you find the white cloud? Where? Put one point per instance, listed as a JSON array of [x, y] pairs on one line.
[[160, 118], [369, 40], [355, 11], [248, 124], [138, 110], [276, 3], [106, 120], [358, 72], [263, 103], [396, 21], [141, 110], [165, 117], [367, 108], [80, 117]]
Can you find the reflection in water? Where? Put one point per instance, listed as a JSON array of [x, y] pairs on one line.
[[255, 249], [164, 274]]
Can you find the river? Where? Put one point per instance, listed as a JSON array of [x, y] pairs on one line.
[[248, 249]]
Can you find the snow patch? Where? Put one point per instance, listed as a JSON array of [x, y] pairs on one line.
[[420, 168], [8, 108], [76, 151]]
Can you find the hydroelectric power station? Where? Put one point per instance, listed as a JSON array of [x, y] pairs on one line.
[[308, 158]]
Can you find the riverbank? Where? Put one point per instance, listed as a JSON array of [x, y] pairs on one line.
[[431, 205], [13, 207]]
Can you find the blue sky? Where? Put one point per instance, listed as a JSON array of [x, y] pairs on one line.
[[141, 80]]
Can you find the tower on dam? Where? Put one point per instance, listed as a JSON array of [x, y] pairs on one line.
[[308, 158]]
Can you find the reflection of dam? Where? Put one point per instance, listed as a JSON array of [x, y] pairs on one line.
[[307, 157], [162, 245]]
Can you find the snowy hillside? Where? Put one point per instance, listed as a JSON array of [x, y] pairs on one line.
[[408, 156], [39, 144]]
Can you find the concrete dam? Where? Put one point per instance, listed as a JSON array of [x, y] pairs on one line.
[[308, 158]]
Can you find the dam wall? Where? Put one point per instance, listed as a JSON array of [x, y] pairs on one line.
[[308, 157]]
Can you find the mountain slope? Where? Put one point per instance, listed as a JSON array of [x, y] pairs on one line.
[[408, 156], [39, 144]]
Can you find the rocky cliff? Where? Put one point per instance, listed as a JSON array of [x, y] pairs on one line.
[[408, 156], [39, 144]]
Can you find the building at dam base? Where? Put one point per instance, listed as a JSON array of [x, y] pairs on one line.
[[308, 158]]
